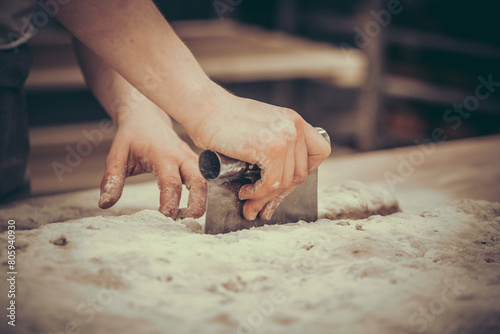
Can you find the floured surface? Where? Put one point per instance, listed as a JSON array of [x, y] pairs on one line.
[[356, 200], [404, 273], [438, 272], [349, 199]]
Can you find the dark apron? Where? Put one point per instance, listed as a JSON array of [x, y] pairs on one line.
[[14, 141]]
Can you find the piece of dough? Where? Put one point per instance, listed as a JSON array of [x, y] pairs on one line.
[[356, 200]]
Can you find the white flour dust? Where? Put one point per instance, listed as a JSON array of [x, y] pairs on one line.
[[435, 272]]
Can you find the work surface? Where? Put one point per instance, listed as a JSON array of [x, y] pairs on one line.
[[433, 268]]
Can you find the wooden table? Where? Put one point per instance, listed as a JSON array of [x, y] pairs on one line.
[[460, 169]]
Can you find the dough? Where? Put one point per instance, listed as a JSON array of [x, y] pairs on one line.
[[355, 200], [144, 273]]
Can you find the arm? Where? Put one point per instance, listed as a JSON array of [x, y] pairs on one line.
[[145, 142], [133, 37]]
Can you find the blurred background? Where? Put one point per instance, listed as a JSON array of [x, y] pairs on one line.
[[375, 74]]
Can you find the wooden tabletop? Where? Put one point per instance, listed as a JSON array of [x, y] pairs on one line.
[[459, 169]]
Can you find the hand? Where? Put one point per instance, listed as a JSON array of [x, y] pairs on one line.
[[145, 143], [278, 140]]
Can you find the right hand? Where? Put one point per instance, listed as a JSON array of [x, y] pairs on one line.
[[278, 140]]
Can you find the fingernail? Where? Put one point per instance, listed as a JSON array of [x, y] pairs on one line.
[[241, 195], [104, 200], [110, 192]]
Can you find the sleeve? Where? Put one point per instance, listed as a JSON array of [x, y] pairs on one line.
[[15, 22]]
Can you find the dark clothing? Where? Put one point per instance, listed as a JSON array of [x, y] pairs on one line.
[[14, 142], [15, 26]]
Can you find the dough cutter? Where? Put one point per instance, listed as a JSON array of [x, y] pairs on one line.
[[225, 176]]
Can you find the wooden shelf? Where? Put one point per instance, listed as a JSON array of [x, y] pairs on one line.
[[228, 52], [440, 42], [413, 89]]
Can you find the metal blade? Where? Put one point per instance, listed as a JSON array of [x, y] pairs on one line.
[[224, 208], [225, 177]]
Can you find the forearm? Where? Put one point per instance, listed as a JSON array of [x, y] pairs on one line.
[[134, 38], [117, 96]]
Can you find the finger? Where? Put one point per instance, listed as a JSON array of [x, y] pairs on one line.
[[267, 211], [276, 179], [270, 180], [114, 176], [300, 175], [262, 191], [286, 185], [170, 185], [301, 161], [318, 148], [197, 186]]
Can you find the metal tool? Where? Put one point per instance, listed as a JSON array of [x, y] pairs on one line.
[[226, 176]]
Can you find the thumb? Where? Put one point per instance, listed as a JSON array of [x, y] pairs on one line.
[[113, 179]]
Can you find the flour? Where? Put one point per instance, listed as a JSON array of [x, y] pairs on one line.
[[150, 274], [111, 191], [355, 200]]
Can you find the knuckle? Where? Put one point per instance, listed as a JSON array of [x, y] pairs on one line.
[[203, 185], [299, 122], [290, 113], [200, 181], [286, 183], [299, 177], [171, 183], [188, 151], [294, 117], [327, 149], [274, 186], [279, 145], [197, 183], [270, 188]]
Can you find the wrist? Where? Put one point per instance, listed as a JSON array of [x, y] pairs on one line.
[[202, 104], [140, 111]]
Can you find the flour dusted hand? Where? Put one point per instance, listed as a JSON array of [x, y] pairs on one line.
[[146, 143], [278, 140]]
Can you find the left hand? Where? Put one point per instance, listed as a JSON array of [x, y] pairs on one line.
[[146, 143]]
